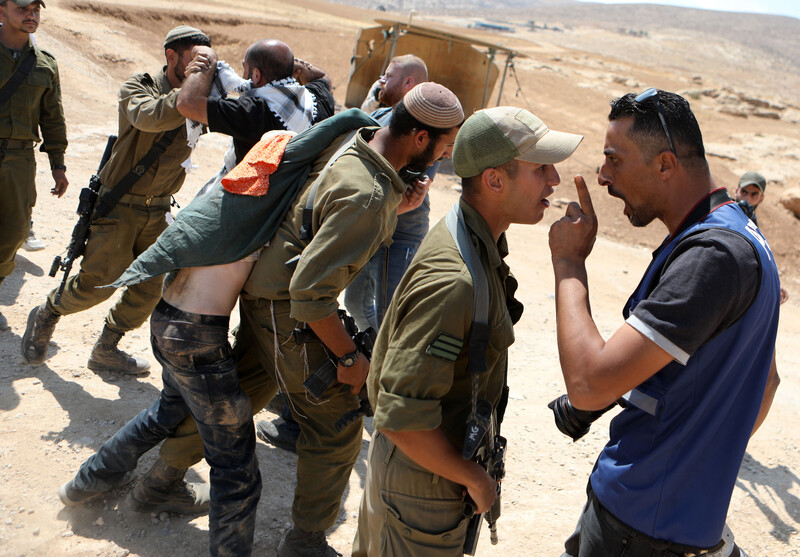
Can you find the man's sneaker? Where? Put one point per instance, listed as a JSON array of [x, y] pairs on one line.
[[33, 243], [71, 496], [164, 489], [39, 331], [3, 323], [277, 433], [299, 543]]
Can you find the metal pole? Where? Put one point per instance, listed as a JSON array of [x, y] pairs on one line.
[[509, 56], [488, 75], [393, 47]]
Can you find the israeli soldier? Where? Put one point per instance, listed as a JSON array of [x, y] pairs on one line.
[[30, 102], [421, 383], [148, 118]]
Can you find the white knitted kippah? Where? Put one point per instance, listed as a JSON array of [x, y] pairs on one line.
[[434, 105]]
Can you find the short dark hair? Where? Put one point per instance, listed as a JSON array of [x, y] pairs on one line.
[[184, 43], [403, 123], [647, 130], [470, 185]]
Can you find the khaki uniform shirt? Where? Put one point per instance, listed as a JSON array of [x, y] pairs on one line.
[[35, 104], [354, 212], [418, 379], [146, 111]]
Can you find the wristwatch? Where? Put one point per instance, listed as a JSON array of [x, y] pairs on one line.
[[349, 360]]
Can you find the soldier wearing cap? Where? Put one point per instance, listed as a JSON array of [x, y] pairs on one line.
[[420, 386], [31, 101], [749, 194], [147, 112]]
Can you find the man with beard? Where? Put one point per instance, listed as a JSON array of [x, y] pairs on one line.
[[368, 295], [286, 94], [297, 282], [695, 359], [149, 123]]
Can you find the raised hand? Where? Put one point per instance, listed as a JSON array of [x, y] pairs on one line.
[[572, 237]]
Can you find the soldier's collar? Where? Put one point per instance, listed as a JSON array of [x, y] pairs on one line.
[[480, 229]]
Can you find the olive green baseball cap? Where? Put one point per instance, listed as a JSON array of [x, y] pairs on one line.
[[26, 3], [753, 179], [494, 136], [184, 32]]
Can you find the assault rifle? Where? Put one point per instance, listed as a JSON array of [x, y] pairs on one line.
[[325, 376], [484, 445], [80, 234]]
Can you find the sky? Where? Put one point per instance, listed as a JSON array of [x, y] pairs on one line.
[[775, 7]]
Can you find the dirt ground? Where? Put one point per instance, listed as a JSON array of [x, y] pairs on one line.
[[54, 416]]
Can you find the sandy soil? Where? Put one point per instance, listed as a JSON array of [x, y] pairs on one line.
[[53, 416]]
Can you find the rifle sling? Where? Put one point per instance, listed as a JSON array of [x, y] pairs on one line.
[[480, 329], [110, 199], [18, 77]]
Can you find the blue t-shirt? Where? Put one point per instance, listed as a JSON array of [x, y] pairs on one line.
[[710, 299]]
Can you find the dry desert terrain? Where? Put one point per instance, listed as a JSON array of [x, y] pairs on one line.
[[53, 416]]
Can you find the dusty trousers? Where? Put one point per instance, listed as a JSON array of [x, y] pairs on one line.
[[325, 455], [199, 377]]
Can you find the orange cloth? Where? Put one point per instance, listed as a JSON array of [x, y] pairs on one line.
[[251, 176]]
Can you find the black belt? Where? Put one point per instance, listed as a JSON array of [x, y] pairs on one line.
[[661, 545], [171, 312], [16, 144]]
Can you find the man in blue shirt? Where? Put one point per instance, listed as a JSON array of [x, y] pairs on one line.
[[695, 359]]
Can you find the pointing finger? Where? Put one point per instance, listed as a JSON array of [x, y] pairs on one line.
[[583, 195]]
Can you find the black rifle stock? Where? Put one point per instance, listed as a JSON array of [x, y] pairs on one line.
[[487, 447], [80, 234]]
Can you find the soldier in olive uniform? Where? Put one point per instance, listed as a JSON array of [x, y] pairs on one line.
[[34, 105], [147, 112], [419, 384]]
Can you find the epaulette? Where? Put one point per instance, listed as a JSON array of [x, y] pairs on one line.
[[48, 54]]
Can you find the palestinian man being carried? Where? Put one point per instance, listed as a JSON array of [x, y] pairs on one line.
[[189, 337]]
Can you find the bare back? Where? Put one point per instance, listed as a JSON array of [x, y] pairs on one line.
[[209, 290]]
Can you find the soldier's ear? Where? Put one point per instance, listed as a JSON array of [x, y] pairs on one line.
[[492, 180], [419, 138], [172, 56]]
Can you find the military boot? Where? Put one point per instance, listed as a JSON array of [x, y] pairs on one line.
[[299, 543], [107, 357], [41, 324], [164, 489]]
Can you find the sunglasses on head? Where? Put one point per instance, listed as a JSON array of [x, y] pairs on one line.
[[652, 93]]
